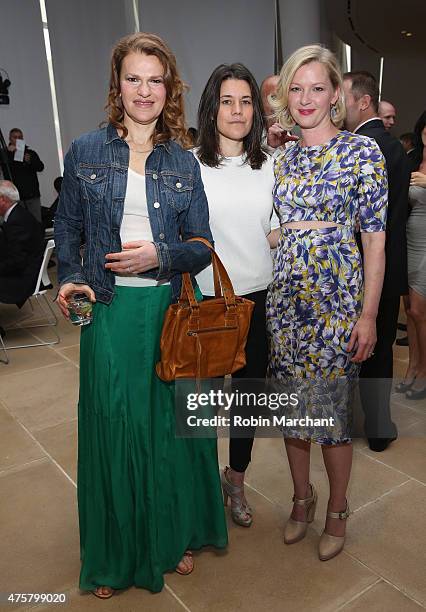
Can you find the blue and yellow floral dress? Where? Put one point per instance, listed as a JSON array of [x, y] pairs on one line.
[[316, 294]]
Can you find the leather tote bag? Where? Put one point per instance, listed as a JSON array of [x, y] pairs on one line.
[[205, 339]]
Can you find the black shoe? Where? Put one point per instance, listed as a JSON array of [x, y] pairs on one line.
[[402, 341], [380, 444], [402, 387], [415, 394], [402, 326]]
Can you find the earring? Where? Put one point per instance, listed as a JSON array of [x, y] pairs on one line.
[[333, 112]]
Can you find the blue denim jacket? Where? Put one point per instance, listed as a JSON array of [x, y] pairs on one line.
[[92, 202]]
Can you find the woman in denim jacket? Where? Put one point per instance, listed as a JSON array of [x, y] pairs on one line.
[[145, 497]]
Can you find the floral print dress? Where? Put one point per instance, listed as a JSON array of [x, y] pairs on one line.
[[316, 294]]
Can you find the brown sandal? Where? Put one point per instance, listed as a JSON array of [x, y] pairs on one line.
[[98, 592], [188, 570]]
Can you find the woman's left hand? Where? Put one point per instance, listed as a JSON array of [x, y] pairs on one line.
[[363, 339], [136, 257], [418, 179]]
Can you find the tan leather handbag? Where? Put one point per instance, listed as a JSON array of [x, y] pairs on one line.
[[205, 339]]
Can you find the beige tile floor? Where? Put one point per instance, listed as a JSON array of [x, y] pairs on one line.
[[381, 569]]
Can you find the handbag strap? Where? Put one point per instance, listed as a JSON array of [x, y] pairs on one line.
[[217, 289], [222, 282]]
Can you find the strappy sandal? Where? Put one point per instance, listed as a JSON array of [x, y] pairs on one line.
[[241, 512], [188, 570], [99, 593]]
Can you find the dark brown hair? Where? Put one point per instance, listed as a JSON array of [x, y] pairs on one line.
[[171, 123], [208, 135], [418, 141], [364, 83]]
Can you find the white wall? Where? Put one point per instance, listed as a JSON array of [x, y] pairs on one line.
[[203, 35], [405, 86], [22, 55], [82, 34]]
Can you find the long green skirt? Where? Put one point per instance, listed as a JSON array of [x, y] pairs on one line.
[[144, 496]]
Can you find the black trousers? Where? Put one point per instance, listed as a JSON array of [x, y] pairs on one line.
[[256, 366], [377, 372]]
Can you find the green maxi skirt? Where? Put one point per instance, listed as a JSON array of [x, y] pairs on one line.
[[144, 496]]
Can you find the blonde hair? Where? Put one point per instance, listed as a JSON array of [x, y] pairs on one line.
[[301, 57], [171, 123]]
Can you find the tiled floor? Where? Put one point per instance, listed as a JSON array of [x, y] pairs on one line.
[[381, 569]]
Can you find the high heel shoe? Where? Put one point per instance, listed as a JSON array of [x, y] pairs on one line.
[[329, 545], [294, 531], [241, 512]]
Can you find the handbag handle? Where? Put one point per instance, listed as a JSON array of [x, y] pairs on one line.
[[222, 282]]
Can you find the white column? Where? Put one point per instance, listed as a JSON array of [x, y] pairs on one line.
[[300, 24]]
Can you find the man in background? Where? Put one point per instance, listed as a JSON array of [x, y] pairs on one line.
[[276, 135], [21, 248], [387, 114], [361, 99], [24, 174]]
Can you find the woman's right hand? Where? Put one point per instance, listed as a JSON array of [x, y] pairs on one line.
[[418, 179], [66, 291], [278, 136]]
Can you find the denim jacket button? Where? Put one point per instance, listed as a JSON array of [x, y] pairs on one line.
[[161, 236], [178, 185], [156, 204], [93, 176], [155, 176]]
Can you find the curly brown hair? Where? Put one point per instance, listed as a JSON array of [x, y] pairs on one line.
[[171, 123]]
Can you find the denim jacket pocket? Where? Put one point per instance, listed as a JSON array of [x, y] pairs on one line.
[[178, 190], [94, 180]]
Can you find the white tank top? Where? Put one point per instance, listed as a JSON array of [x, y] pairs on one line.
[[135, 226]]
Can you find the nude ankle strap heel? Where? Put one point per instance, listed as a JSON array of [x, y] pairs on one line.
[[330, 546], [241, 512], [294, 531]]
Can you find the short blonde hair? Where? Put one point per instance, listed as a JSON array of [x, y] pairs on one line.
[[301, 57]]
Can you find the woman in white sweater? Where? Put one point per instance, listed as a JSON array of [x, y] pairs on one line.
[[238, 180]]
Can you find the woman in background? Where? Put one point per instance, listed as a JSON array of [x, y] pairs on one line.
[[414, 385]]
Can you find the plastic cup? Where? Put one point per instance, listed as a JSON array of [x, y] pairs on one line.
[[80, 309]]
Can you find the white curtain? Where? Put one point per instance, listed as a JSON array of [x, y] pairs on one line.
[[23, 56], [203, 35]]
